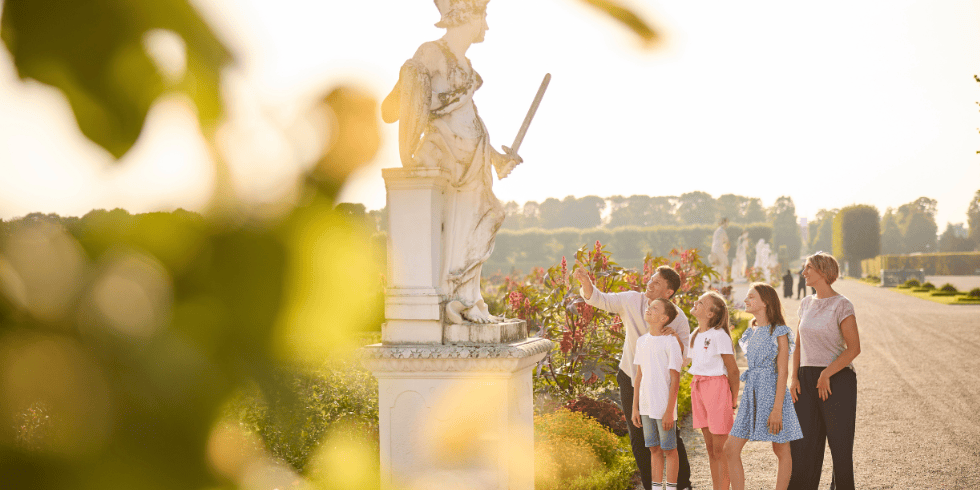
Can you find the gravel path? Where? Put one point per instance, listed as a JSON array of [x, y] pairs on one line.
[[918, 420]]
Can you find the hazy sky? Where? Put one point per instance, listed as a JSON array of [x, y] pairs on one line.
[[832, 102]]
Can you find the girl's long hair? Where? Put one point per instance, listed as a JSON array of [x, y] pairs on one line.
[[774, 309], [720, 310]]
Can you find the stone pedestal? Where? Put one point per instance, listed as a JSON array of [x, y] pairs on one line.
[[456, 416], [414, 302], [455, 400]]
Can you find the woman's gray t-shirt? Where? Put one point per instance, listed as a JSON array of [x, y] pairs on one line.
[[820, 337]]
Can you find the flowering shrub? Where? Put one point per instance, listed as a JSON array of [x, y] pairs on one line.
[[294, 420], [606, 413], [588, 340], [757, 274], [564, 425], [559, 459], [974, 293], [949, 288]]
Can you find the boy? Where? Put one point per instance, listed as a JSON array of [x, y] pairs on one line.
[[658, 363], [630, 306]]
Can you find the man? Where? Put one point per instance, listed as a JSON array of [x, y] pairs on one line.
[[629, 305]]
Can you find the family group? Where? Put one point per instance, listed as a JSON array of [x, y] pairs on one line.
[[799, 399]]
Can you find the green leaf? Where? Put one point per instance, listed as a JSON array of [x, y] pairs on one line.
[[93, 52]]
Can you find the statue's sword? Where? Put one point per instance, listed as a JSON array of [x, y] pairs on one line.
[[530, 115]]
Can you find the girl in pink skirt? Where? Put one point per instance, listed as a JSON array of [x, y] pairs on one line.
[[715, 381]]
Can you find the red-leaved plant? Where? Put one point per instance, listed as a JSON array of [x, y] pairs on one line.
[[588, 341]]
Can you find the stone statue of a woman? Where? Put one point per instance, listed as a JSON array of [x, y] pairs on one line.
[[440, 127], [741, 258], [718, 258], [762, 260]]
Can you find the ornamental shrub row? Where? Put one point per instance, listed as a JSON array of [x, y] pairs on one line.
[[942, 264], [574, 444]]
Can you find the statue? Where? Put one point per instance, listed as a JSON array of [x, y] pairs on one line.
[[440, 127], [763, 259], [741, 258], [719, 250], [773, 262]]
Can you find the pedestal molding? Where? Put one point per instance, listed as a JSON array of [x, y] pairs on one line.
[[415, 359]]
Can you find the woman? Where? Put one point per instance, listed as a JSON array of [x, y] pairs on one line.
[[440, 128], [823, 382], [767, 412]]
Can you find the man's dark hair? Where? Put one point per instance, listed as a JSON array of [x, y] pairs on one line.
[[670, 275]]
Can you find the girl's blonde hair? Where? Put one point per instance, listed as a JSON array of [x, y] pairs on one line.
[[826, 264], [719, 309]]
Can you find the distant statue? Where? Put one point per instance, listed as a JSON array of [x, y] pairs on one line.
[[440, 127], [741, 258], [719, 250], [763, 259]]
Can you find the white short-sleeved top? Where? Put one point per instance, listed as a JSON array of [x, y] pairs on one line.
[[707, 351], [820, 337], [657, 356]]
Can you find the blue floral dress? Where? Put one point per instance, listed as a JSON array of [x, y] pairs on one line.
[[759, 390]]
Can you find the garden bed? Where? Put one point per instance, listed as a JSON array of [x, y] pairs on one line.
[[959, 298]]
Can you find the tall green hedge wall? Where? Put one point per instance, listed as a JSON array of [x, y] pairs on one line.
[[857, 234], [536, 247]]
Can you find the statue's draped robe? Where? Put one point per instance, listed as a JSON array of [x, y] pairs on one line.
[[456, 139], [719, 250], [762, 259]]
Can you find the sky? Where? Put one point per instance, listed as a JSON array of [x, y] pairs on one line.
[[832, 103]]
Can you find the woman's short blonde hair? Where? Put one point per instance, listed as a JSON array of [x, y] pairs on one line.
[[826, 264]]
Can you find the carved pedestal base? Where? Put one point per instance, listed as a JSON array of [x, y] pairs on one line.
[[456, 416]]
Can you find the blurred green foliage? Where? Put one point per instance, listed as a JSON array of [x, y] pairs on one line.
[[569, 445], [123, 339], [93, 51], [307, 405], [120, 345]]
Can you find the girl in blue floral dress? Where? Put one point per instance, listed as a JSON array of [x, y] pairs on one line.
[[762, 415]]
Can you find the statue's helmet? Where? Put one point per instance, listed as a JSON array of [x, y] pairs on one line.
[[458, 12]]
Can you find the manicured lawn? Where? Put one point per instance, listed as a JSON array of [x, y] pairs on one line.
[[946, 300], [926, 294]]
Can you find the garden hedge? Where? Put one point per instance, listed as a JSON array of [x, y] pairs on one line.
[[856, 235], [941, 264], [535, 247]]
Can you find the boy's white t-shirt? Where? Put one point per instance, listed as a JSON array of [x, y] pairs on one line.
[[707, 350], [657, 356]]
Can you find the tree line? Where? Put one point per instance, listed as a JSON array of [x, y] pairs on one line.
[[692, 208], [910, 228], [533, 234]]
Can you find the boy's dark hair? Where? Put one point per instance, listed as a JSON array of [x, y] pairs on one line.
[[670, 275], [669, 309]]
